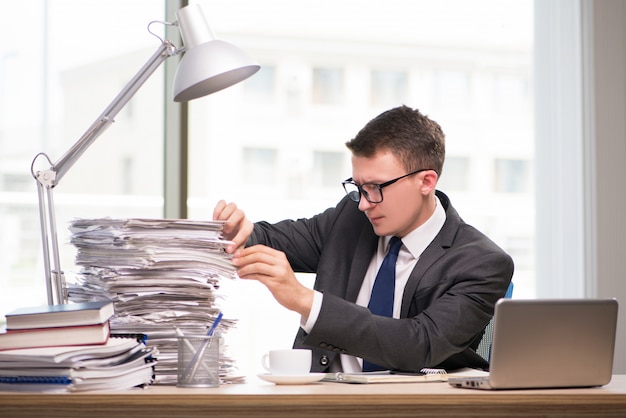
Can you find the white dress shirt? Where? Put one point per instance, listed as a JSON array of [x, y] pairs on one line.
[[413, 245]]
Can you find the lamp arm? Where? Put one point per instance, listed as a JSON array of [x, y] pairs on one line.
[[62, 166], [47, 179]]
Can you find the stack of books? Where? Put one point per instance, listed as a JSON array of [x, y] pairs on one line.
[[121, 363], [162, 275], [69, 348], [57, 325]]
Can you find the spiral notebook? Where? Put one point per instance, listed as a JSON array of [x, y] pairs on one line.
[[553, 343], [122, 362], [387, 376]]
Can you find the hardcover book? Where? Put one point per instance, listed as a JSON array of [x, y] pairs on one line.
[[64, 315], [54, 337]]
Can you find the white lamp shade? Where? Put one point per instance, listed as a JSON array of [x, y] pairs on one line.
[[210, 67]]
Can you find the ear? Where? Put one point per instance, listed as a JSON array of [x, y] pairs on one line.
[[429, 181]]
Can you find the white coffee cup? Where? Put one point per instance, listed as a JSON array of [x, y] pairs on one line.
[[287, 362]]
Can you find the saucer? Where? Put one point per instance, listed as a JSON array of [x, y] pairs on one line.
[[292, 379]]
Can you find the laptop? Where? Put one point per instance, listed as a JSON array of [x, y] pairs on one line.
[[549, 343]]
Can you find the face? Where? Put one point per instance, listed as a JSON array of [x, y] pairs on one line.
[[406, 204]]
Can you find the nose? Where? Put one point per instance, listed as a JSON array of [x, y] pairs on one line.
[[364, 204]]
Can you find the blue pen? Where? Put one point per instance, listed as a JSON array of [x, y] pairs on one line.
[[190, 372], [215, 324]]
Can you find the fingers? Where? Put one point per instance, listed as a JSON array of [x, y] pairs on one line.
[[271, 268], [237, 227], [218, 211], [265, 264], [261, 263], [227, 212]]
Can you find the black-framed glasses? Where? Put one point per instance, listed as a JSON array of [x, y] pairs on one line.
[[373, 192]]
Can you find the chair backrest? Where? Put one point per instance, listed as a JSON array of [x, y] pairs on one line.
[[484, 348]]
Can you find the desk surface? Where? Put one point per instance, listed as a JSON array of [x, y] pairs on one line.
[[260, 399]]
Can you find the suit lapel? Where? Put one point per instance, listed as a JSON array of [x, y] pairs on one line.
[[365, 248], [432, 253], [437, 248]]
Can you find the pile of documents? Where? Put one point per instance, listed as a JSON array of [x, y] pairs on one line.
[[68, 348], [120, 363], [162, 274]]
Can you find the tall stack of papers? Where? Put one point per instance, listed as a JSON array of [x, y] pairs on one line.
[[162, 274], [120, 363]]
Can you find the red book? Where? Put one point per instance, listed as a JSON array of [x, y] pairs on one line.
[[57, 336]]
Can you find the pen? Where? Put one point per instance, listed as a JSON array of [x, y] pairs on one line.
[[398, 372], [422, 372], [215, 324]]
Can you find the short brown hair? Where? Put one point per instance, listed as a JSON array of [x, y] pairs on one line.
[[417, 141]]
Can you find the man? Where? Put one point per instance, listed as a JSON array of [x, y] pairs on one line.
[[448, 275]]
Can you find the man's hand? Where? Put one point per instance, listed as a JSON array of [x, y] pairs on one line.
[[237, 227], [271, 267]]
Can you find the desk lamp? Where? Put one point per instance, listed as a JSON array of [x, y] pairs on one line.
[[207, 66]]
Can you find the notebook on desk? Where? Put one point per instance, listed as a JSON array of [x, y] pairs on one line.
[[553, 343]]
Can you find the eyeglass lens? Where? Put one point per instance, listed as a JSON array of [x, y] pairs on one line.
[[371, 192]]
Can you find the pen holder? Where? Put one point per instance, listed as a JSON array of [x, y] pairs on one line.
[[198, 361]]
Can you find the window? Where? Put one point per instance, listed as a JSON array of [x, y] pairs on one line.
[[260, 166], [328, 85], [389, 88], [511, 176], [273, 144], [452, 90], [328, 166], [53, 85], [329, 81], [511, 93], [260, 88], [455, 176]]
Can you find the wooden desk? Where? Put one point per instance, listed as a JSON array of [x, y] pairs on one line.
[[322, 400]]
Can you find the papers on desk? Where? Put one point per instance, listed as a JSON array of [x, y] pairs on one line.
[[160, 274]]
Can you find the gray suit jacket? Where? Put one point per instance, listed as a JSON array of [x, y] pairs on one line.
[[447, 302]]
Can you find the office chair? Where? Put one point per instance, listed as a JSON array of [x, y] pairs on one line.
[[484, 347]]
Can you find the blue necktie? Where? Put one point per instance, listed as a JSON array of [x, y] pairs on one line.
[[381, 300]]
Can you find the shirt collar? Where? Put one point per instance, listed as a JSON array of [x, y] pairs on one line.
[[417, 240]]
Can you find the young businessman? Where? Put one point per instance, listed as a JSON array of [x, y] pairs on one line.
[[448, 275]]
